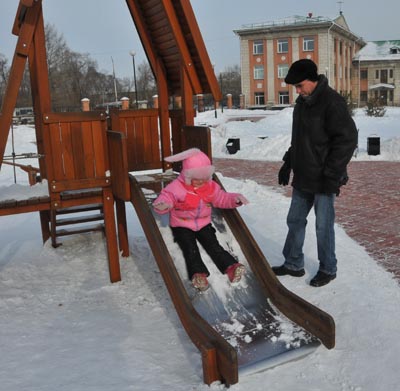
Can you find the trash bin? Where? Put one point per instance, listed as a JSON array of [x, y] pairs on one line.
[[373, 145], [233, 145]]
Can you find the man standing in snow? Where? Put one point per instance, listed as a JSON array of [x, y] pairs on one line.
[[324, 137]]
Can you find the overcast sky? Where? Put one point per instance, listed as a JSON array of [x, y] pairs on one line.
[[104, 28]]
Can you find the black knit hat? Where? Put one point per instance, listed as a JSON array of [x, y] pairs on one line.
[[302, 70]]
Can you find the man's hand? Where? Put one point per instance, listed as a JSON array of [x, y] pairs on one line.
[[284, 174]]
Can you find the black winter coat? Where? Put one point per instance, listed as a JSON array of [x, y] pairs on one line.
[[324, 137]]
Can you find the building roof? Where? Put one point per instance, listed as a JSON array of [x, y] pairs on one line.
[[298, 22], [379, 51]]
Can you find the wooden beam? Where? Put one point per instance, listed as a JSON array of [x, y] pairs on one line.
[[40, 86], [111, 236], [34, 204], [181, 43], [187, 99], [144, 35], [27, 3], [163, 114], [122, 227], [201, 49], [17, 71]]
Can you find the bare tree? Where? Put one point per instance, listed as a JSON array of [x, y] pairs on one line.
[[229, 81], [3, 76], [56, 47], [145, 82]]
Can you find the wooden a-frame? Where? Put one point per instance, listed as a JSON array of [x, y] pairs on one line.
[[177, 55], [172, 42]]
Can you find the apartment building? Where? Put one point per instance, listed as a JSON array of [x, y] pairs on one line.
[[268, 49], [377, 73]]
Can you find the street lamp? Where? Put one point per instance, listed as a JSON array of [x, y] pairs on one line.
[[133, 53], [222, 92]]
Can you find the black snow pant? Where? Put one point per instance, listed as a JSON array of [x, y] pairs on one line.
[[186, 239]]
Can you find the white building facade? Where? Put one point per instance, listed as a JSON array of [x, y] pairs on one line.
[[377, 73]]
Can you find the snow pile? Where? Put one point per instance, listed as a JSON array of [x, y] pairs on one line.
[[265, 135]]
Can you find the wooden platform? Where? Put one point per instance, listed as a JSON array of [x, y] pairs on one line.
[[33, 204]]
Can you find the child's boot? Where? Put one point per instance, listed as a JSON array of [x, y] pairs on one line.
[[199, 281], [235, 272]]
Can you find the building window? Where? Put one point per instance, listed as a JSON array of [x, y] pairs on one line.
[[363, 96], [284, 98], [283, 45], [282, 70], [308, 44], [340, 47], [377, 74], [364, 74], [259, 72], [258, 47], [259, 98], [391, 73], [391, 95], [384, 76]]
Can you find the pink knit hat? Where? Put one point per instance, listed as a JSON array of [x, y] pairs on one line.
[[195, 164]]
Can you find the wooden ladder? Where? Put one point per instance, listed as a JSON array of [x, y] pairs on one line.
[[79, 179], [77, 222]]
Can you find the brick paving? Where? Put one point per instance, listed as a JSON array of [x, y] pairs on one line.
[[368, 207]]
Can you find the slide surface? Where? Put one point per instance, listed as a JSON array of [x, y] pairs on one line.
[[243, 319]]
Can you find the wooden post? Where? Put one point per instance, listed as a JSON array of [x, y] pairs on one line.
[[229, 100], [85, 104], [155, 101], [242, 101], [111, 235], [124, 103], [178, 102], [122, 227], [163, 113]]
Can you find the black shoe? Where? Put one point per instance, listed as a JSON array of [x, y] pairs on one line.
[[321, 279], [283, 271]]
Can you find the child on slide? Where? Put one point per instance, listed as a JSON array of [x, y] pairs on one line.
[[189, 199]]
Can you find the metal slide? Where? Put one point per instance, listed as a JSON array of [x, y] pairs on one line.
[[238, 329]]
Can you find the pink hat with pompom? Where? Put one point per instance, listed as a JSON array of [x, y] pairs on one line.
[[195, 164]]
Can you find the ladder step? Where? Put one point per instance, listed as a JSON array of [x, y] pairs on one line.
[[65, 232], [79, 208], [80, 219]]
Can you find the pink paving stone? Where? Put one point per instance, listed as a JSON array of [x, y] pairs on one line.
[[368, 207]]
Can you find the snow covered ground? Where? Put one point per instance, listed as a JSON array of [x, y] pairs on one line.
[[265, 135], [63, 326]]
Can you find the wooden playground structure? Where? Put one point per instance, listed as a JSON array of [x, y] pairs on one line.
[[79, 151], [86, 158]]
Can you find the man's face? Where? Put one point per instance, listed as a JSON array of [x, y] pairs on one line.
[[306, 87]]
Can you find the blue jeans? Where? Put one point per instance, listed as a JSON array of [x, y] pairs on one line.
[[324, 209]]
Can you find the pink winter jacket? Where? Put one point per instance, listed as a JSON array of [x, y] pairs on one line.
[[190, 207]]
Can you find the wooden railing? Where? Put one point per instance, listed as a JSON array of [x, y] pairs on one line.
[[142, 137]]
